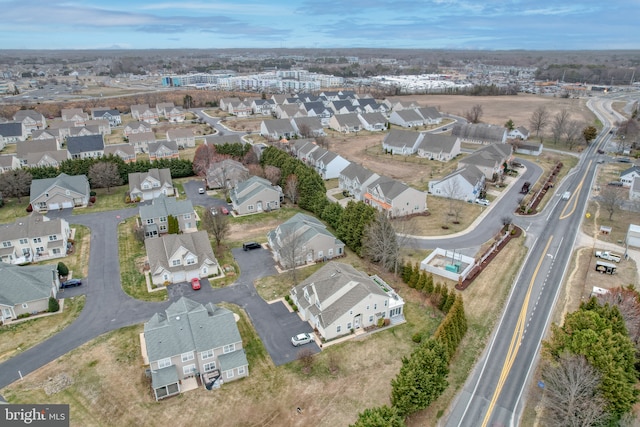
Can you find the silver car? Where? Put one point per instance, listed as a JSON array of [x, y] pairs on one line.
[[301, 339]]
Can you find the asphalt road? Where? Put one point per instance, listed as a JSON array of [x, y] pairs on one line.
[[493, 394]]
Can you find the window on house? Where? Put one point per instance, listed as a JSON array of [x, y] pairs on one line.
[[56, 251], [163, 227], [187, 356], [338, 328], [163, 363], [229, 373], [146, 186], [53, 237], [250, 207], [350, 312], [191, 261], [349, 325], [375, 306], [187, 216], [208, 367], [189, 369], [24, 241], [149, 220], [40, 249], [163, 219], [208, 354], [339, 251], [228, 348], [370, 319], [176, 262], [37, 240], [368, 307], [330, 252], [6, 244], [241, 370], [385, 303]]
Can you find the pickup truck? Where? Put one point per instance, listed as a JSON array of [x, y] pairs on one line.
[[609, 256]]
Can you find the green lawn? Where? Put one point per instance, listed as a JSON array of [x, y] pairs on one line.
[[132, 255], [13, 209], [111, 200]]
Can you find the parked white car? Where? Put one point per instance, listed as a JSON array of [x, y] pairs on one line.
[[483, 202], [301, 339]]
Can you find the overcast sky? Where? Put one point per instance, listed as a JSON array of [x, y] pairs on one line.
[[430, 24]]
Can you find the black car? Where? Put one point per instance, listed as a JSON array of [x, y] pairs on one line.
[[71, 283], [251, 245]]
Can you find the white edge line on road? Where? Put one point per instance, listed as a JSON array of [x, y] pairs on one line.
[[495, 332], [555, 300]]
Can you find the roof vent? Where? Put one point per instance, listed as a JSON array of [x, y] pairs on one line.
[[177, 317]]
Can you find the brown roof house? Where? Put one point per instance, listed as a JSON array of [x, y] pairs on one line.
[[175, 258], [190, 340], [26, 289], [338, 299], [151, 184]]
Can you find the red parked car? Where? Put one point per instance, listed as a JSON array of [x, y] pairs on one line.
[[195, 283], [224, 210]]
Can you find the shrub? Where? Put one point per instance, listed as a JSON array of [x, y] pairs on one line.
[[23, 315], [54, 306], [417, 338], [29, 208], [92, 193], [92, 199], [63, 270], [287, 298], [380, 322]]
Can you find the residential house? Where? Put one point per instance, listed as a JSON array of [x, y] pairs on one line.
[[406, 118], [111, 115], [85, 147], [239, 108], [490, 159], [30, 120], [344, 107], [354, 179], [255, 195], [327, 163], [61, 192], [74, 115], [464, 184], [150, 184], [154, 217], [307, 126], [224, 102], [175, 115], [345, 123], [126, 152], [302, 147], [63, 129], [9, 162], [25, 149], [370, 105], [399, 103], [318, 109], [634, 190], [530, 148], [163, 107], [303, 239], [628, 175], [395, 198], [430, 115], [277, 128], [47, 134], [26, 289], [136, 127], [437, 146], [480, 133], [163, 150], [289, 111], [374, 122], [10, 133], [520, 132], [263, 107], [226, 174], [46, 158], [338, 299], [403, 142], [141, 141], [144, 113], [175, 258], [183, 137], [189, 339], [223, 139], [34, 238]]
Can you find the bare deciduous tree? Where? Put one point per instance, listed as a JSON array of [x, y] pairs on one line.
[[474, 114], [322, 141], [104, 175], [15, 183], [273, 174], [291, 251], [559, 124], [572, 133], [383, 239], [291, 188], [216, 225], [452, 191], [572, 396], [305, 130], [611, 198], [539, 119]]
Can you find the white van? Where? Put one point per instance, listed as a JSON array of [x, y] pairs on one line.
[[566, 195]]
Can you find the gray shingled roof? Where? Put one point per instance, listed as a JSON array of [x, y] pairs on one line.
[[349, 120], [389, 187], [402, 138], [356, 171], [34, 225], [189, 326], [77, 183], [409, 115], [24, 148], [223, 139], [11, 129], [279, 126], [233, 360], [338, 287], [164, 206], [161, 175], [81, 144], [24, 284], [435, 142], [160, 249], [479, 131], [249, 188]]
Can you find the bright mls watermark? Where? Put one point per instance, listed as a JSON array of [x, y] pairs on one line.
[[34, 415]]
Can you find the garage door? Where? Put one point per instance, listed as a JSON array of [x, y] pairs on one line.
[[66, 205], [179, 276], [54, 206], [192, 275]]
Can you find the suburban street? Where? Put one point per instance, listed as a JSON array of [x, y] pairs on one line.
[[493, 394]]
